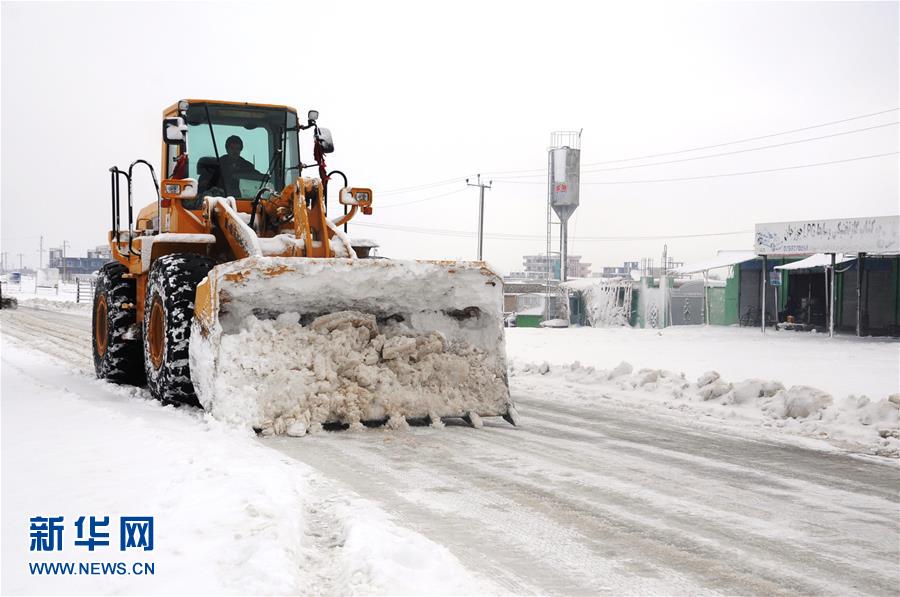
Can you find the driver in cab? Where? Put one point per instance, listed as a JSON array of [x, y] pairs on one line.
[[233, 165], [232, 160], [221, 176]]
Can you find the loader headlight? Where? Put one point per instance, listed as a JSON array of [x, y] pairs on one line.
[[356, 196], [185, 188]]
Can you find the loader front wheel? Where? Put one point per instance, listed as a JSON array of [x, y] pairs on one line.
[[116, 346], [168, 313]]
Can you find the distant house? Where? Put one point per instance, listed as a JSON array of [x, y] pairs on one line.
[[537, 266], [70, 266]]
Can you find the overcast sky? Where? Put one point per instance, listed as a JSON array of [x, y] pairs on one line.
[[423, 92]]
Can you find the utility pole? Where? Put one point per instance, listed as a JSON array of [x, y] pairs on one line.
[[832, 296], [664, 283], [20, 261], [65, 244], [481, 188], [3, 260], [42, 253]]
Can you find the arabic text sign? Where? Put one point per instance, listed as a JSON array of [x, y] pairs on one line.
[[877, 235]]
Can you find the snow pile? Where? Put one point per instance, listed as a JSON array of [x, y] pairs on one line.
[[65, 306], [621, 369], [292, 343], [555, 323], [857, 423], [842, 365], [283, 377], [799, 402], [383, 558], [750, 389]]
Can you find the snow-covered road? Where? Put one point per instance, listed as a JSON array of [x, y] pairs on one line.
[[601, 496], [232, 516], [605, 500]]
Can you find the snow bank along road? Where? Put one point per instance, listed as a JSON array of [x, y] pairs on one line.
[[586, 497]]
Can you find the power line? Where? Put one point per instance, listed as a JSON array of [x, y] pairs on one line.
[[714, 146], [715, 155], [21, 237], [431, 198], [507, 236], [444, 182], [453, 233], [798, 130], [421, 186], [745, 173]]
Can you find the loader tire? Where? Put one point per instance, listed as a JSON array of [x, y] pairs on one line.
[[168, 313], [115, 335]]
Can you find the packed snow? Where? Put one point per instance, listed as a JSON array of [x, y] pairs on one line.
[[295, 343], [62, 305], [58, 296], [283, 377], [231, 517], [613, 482], [855, 423], [842, 366], [843, 390]]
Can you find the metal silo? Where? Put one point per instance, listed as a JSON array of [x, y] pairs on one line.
[[564, 159]]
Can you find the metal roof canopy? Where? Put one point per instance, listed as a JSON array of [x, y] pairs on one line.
[[722, 259], [817, 260], [876, 235]]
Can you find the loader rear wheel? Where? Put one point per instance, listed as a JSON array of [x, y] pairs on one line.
[[168, 313], [117, 348]]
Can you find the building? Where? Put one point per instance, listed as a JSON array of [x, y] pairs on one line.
[[70, 266], [613, 271], [536, 267], [843, 273]]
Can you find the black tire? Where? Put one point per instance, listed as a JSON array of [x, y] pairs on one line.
[[115, 335], [171, 286]]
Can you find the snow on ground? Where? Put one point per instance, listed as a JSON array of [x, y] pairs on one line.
[[842, 390], [603, 489], [751, 408], [765, 383], [594, 497], [231, 516], [62, 297], [841, 366], [49, 304]]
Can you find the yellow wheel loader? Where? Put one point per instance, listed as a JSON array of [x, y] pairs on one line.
[[237, 291]]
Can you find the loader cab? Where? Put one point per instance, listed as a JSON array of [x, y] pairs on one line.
[[268, 154]]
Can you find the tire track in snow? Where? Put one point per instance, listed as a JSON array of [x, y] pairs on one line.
[[733, 521], [683, 441], [330, 515], [717, 517], [322, 527], [383, 472], [67, 337], [744, 480]]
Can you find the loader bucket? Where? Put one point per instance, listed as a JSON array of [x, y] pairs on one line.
[[288, 344]]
